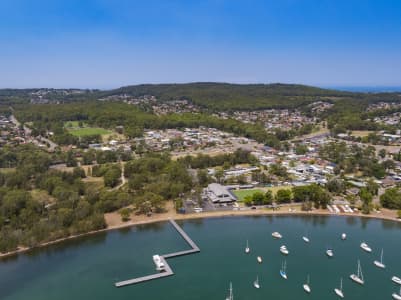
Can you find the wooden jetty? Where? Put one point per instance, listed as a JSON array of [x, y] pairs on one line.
[[167, 270]]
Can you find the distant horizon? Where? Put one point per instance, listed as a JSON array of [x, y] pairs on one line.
[[346, 88]]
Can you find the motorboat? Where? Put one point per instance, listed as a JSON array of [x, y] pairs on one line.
[[284, 250], [330, 252], [339, 292], [256, 283], [396, 279], [306, 286], [247, 249], [259, 259], [366, 247], [397, 296], [159, 263], [283, 270], [358, 278], [277, 235], [380, 263]]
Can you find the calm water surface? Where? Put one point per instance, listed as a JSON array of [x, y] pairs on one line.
[[87, 268]]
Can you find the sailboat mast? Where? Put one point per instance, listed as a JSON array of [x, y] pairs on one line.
[[341, 284]]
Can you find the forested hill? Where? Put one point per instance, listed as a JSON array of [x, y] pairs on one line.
[[225, 96], [210, 95]]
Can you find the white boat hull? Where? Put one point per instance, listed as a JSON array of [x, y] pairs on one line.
[[396, 296], [343, 236], [307, 288], [306, 240], [366, 248], [329, 253], [256, 285], [379, 264], [259, 259], [339, 293], [277, 235], [356, 279], [396, 280], [247, 250]]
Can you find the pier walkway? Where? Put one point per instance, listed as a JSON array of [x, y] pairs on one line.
[[167, 270]]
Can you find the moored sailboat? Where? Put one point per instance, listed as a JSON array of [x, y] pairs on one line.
[[247, 249], [256, 283], [231, 295], [283, 271], [339, 292], [358, 278], [306, 286], [380, 263]]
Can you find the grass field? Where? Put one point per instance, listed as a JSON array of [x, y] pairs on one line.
[[88, 131], [241, 194], [74, 129]]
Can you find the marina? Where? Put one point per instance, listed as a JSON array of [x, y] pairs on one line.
[[160, 261], [92, 265]]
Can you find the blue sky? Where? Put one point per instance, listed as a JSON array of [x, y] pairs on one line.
[[110, 43]]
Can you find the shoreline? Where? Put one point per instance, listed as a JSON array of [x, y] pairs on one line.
[[204, 215]]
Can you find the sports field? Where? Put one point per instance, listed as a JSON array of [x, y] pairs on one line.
[[241, 194], [74, 129], [84, 131]]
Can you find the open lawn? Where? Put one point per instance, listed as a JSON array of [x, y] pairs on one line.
[[84, 131], [74, 129], [241, 194]]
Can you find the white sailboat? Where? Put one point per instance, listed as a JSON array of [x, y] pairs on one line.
[[396, 279], [256, 283], [247, 250], [231, 295], [397, 296], [259, 259], [358, 278], [366, 247], [283, 271], [339, 292], [343, 236], [380, 264], [306, 286]]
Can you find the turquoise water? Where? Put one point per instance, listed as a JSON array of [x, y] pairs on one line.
[[86, 268]]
